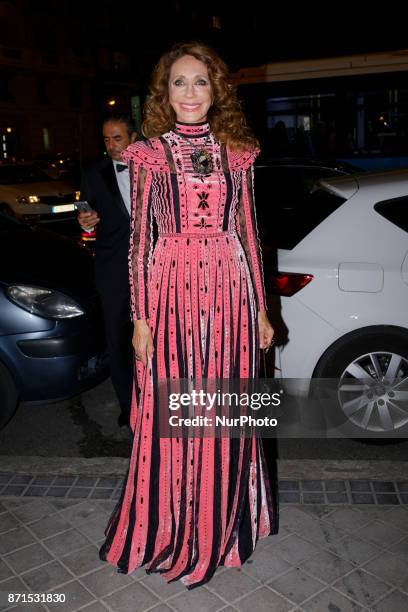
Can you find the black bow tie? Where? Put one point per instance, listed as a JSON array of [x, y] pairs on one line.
[[121, 167]]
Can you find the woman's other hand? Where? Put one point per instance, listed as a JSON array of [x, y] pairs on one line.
[[142, 341], [266, 332]]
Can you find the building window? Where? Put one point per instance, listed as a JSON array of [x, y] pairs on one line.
[[46, 139]]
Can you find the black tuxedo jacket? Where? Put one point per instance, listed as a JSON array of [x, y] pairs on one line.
[[100, 188]]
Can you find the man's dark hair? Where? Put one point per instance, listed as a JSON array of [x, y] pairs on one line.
[[120, 118]]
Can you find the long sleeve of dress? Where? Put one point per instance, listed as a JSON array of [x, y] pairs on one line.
[[141, 236], [248, 232]]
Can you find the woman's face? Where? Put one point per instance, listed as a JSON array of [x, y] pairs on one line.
[[190, 92]]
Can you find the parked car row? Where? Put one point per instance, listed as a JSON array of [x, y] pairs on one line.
[[335, 253]]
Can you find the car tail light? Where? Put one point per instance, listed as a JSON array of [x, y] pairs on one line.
[[289, 283]]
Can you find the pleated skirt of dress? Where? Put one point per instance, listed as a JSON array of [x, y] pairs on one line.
[[192, 504]]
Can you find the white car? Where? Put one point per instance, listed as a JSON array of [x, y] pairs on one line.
[[28, 193], [342, 278]]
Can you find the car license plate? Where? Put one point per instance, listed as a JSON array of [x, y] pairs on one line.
[[63, 208]]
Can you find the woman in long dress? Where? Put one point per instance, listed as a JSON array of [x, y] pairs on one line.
[[198, 305]]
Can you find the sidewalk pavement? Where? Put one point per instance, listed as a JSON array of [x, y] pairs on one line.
[[342, 544]]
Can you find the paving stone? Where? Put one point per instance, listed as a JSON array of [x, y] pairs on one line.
[[33, 511], [66, 542], [86, 481], [349, 519], [294, 549], [12, 585], [362, 498], [381, 534], [296, 585], [289, 497], [232, 584], [27, 558], [5, 477], [318, 511], [13, 490], [64, 481], [398, 517], [335, 485], [323, 533], [101, 493], [80, 512], [381, 486], [332, 601], [389, 568], [312, 485], [97, 606], [16, 538], [5, 571], [47, 577], [197, 599], [362, 586], [337, 498], [49, 526], [326, 566], [313, 498], [263, 600], [360, 486], [400, 549], [159, 585], [394, 602], [105, 581], [76, 597], [21, 479], [124, 600], [62, 504], [265, 564], [290, 485], [107, 482], [44, 479], [387, 498], [354, 550], [79, 492], [57, 491], [404, 498], [35, 491], [83, 561], [402, 486], [8, 521], [94, 529]]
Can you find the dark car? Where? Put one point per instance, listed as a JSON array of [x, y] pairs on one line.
[[52, 343]]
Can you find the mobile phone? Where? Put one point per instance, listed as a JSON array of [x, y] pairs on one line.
[[83, 206]]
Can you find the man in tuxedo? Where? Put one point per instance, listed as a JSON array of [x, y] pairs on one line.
[[106, 187]]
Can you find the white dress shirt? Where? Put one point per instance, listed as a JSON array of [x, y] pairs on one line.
[[124, 184]]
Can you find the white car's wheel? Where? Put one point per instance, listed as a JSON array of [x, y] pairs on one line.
[[372, 388]]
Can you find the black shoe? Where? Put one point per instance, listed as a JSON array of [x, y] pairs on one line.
[[123, 419]]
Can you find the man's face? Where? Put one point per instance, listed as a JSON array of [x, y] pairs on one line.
[[116, 138]]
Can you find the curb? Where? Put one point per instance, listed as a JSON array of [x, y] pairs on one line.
[[305, 469]]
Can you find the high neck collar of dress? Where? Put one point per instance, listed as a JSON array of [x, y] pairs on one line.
[[192, 130]]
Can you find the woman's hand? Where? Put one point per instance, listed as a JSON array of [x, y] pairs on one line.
[[266, 332], [142, 341]]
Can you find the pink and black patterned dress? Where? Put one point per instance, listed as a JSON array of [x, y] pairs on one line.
[[192, 504]]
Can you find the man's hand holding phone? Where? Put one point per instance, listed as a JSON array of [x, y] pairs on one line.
[[87, 217]]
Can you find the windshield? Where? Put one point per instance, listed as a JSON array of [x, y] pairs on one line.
[[19, 175]]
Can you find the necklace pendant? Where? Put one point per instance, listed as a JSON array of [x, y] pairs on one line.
[[202, 161]]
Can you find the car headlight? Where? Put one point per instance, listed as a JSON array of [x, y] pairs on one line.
[[46, 303], [31, 199]]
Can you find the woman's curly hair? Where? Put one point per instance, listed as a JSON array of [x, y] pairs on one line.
[[225, 116]]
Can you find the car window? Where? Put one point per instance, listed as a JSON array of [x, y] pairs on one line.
[[395, 210], [13, 175], [287, 208]]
